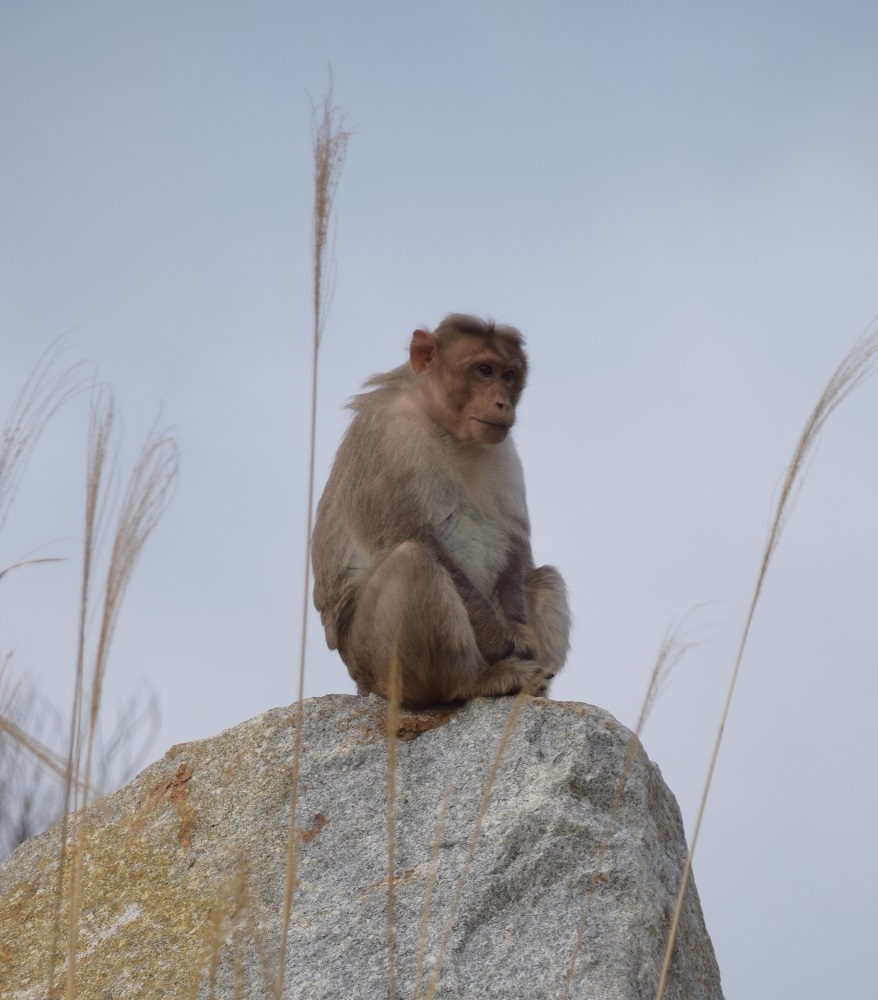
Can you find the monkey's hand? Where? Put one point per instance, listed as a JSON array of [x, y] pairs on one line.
[[499, 628], [521, 641], [487, 624], [509, 591]]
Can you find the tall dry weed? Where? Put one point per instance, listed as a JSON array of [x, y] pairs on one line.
[[511, 722], [46, 390], [48, 387], [858, 365], [145, 498], [394, 696], [674, 647], [330, 141], [232, 926], [431, 883]]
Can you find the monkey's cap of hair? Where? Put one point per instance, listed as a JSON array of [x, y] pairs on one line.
[[504, 338], [477, 327]]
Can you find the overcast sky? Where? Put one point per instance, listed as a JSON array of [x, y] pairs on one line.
[[676, 203]]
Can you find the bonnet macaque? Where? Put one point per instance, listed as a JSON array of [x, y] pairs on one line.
[[421, 546]]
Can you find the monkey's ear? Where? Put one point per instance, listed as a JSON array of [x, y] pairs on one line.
[[422, 351]]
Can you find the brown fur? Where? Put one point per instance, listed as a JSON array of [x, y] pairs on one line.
[[421, 546]]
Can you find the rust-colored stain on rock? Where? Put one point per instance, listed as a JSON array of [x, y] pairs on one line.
[[178, 796]]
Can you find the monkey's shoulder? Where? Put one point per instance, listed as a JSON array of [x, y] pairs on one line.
[[391, 436]]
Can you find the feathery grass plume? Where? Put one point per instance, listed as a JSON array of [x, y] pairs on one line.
[[149, 490], [858, 365], [143, 503], [330, 139], [673, 648], [99, 468], [394, 693], [511, 722], [44, 392]]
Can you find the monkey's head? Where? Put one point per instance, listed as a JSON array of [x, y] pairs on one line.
[[471, 374]]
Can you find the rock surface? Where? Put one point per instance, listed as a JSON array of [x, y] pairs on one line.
[[184, 869]]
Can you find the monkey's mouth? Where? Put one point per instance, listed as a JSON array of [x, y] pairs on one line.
[[489, 431]]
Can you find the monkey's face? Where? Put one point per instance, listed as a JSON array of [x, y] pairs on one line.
[[470, 384], [480, 396]]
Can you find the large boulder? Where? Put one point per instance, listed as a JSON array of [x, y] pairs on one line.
[[184, 870]]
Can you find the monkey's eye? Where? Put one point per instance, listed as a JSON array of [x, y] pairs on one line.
[[485, 370], [509, 376]]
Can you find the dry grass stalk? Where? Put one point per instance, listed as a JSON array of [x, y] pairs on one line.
[[330, 139], [511, 722], [44, 392], [9, 693], [48, 758], [233, 921], [22, 798], [100, 427], [858, 365], [672, 650], [29, 562], [394, 691], [330, 147], [431, 883], [145, 499]]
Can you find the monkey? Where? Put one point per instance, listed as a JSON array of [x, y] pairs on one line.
[[421, 545]]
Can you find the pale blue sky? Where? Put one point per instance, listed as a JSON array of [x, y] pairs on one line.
[[675, 202]]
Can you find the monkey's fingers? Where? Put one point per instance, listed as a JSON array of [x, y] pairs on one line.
[[538, 685]]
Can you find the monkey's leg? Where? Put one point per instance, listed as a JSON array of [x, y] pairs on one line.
[[410, 609], [548, 615]]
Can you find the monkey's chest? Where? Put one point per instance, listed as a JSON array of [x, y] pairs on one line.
[[477, 543]]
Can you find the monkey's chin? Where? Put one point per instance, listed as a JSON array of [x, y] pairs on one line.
[[488, 433]]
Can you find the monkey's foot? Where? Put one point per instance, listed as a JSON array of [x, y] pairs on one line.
[[511, 675]]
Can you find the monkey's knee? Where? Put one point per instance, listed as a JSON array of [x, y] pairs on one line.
[[406, 562], [409, 613], [409, 587], [548, 614]]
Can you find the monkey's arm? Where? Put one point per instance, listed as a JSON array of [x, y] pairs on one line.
[[509, 592], [497, 635], [371, 503]]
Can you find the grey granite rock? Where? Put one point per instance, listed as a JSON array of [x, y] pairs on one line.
[[185, 867]]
